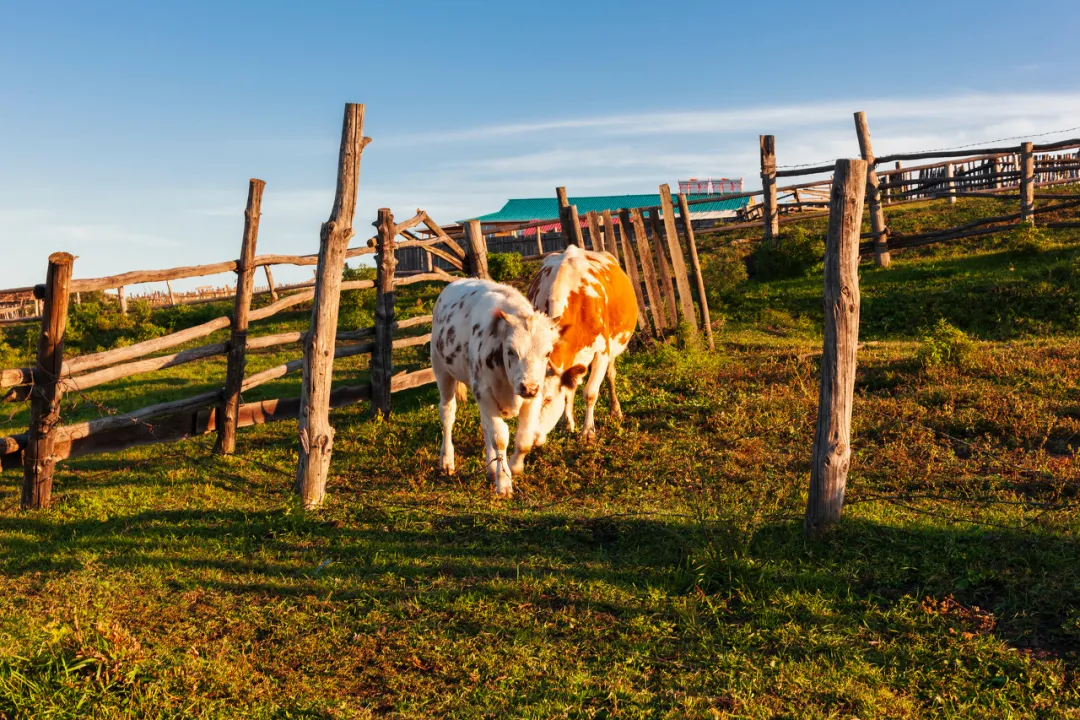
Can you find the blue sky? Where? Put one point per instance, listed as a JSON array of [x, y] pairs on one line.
[[128, 130]]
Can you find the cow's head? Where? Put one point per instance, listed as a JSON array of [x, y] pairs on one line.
[[526, 349], [559, 387]]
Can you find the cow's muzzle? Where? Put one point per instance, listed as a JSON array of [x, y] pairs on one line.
[[528, 391]]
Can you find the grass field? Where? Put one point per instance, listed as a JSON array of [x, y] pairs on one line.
[[660, 572]]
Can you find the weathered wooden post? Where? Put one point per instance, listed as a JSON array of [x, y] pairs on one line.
[[684, 212], [596, 242], [121, 296], [38, 307], [610, 243], [568, 218], [38, 460], [667, 287], [477, 265], [539, 241], [429, 262], [645, 255], [1027, 183], [631, 266], [316, 433], [229, 410], [770, 212], [996, 181], [382, 357], [832, 438], [270, 283], [172, 296], [873, 192], [678, 262], [950, 185]]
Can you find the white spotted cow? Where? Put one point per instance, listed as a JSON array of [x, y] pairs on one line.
[[489, 337], [596, 308]]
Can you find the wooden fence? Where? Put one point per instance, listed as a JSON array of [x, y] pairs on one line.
[[48, 441]]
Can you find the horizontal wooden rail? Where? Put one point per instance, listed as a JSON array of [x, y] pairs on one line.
[[795, 172], [284, 369], [85, 382], [191, 422]]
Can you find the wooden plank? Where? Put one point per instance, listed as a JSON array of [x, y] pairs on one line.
[[382, 360], [82, 383], [645, 255], [477, 251], [1027, 183], [40, 461], [678, 262], [703, 300], [767, 146], [596, 242], [630, 265], [832, 438], [873, 193], [270, 283], [316, 433], [447, 240], [611, 244], [667, 287], [245, 284]]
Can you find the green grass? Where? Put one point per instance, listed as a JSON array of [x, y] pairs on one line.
[[660, 572]]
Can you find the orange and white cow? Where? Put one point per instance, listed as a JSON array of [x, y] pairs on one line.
[[594, 304]]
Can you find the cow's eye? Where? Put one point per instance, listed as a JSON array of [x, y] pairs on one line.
[[550, 372], [512, 352]]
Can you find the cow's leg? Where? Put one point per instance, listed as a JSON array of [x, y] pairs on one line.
[[592, 392], [496, 440], [568, 409], [447, 413], [616, 409], [528, 433]]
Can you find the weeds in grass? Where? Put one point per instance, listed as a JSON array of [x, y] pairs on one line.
[[945, 345], [504, 267]]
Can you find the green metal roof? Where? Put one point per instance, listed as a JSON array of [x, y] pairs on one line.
[[529, 209]]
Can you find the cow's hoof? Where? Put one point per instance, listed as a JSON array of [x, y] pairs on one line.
[[505, 493], [617, 414], [588, 434], [447, 468], [517, 465]]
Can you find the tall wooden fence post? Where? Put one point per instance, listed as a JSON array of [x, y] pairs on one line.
[[382, 357], [121, 296], [1027, 183], [568, 218], [667, 287], [648, 269], [270, 283], [706, 321], [610, 244], [873, 193], [770, 212], [631, 266], [316, 434], [229, 410], [950, 185], [172, 297], [477, 250], [596, 243], [38, 460], [832, 438], [678, 262]]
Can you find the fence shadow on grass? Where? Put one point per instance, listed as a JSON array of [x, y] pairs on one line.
[[1028, 580]]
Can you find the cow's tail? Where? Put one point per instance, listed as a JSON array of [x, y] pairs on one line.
[[461, 392]]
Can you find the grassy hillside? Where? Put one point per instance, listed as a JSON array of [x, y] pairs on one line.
[[660, 572]]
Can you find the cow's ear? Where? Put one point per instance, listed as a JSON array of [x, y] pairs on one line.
[[571, 377], [498, 314]]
